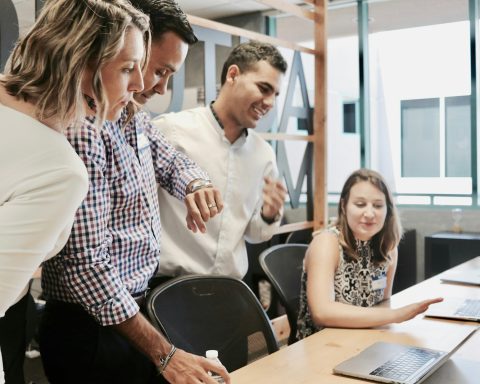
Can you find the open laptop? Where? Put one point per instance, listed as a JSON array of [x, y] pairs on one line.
[[463, 277], [396, 363], [456, 308], [456, 370]]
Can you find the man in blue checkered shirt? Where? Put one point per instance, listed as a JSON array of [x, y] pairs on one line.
[[92, 330]]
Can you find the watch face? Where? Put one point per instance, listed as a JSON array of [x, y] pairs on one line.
[[199, 184]]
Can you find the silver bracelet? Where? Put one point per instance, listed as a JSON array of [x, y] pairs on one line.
[[165, 360], [199, 184]]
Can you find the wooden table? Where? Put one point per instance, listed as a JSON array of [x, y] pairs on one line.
[[312, 359]]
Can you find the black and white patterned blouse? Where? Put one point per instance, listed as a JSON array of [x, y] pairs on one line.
[[353, 284]]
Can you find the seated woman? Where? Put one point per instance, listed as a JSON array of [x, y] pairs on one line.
[[349, 268]]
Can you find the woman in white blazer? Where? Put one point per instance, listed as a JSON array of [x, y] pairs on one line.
[[80, 58]]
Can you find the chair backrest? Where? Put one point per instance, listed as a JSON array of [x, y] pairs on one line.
[[283, 266], [302, 236], [198, 313]]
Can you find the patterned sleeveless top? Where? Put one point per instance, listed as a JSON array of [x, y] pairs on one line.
[[353, 284]]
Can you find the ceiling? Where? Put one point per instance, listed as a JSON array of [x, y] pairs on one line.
[[341, 16], [384, 15], [213, 9]]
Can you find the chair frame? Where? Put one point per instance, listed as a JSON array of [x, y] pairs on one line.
[[298, 237], [292, 313], [268, 332]]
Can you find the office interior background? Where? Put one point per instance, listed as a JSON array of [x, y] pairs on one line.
[[409, 110]]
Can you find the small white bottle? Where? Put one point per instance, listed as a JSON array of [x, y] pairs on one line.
[[212, 354]]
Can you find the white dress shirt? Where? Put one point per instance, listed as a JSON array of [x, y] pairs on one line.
[[42, 183], [237, 170]]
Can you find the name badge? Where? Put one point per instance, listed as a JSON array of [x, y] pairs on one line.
[[142, 141], [379, 282]]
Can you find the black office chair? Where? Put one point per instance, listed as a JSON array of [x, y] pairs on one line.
[[283, 266], [197, 313], [302, 236]]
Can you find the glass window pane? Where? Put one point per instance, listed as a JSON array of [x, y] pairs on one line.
[[457, 136], [343, 89], [417, 50], [420, 138], [349, 117]]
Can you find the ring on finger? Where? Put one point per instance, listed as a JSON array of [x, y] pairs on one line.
[[211, 205]]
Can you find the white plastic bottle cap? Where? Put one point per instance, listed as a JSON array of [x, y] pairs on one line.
[[211, 354]]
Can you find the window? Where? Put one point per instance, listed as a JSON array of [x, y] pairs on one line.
[[457, 137], [419, 74], [432, 146], [420, 124], [350, 117]]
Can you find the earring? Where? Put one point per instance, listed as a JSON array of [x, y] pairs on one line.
[[90, 102]]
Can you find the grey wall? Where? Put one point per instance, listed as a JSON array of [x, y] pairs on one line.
[[430, 220]]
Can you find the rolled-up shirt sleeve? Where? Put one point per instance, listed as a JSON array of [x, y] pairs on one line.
[[173, 169]]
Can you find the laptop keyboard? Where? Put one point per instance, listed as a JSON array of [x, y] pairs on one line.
[[405, 364], [470, 308]]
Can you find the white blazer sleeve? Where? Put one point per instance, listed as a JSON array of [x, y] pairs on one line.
[[35, 223]]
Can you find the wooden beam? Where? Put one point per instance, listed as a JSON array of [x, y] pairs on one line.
[[289, 8], [320, 207], [294, 227], [205, 23]]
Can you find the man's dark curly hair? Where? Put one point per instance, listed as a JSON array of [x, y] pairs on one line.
[[246, 55], [166, 16]]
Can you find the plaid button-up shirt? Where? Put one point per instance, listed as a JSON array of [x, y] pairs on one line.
[[114, 246]]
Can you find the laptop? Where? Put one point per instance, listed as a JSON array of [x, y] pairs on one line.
[[456, 370], [456, 308], [463, 277], [396, 363]]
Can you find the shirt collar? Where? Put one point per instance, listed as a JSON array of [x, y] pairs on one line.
[[245, 130]]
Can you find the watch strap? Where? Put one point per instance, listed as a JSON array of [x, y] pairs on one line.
[[197, 184]]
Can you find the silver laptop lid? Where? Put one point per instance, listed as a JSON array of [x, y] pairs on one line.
[[456, 370], [365, 364], [463, 277], [456, 308], [369, 363]]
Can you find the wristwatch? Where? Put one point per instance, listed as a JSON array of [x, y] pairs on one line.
[[197, 184]]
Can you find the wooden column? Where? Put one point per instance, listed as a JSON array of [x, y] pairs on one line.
[[320, 117]]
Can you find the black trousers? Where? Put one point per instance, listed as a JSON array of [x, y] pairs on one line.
[[76, 349], [16, 330]]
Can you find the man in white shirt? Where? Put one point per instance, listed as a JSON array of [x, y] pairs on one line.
[[240, 163]]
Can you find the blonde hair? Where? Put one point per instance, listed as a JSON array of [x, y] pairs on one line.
[[47, 66], [389, 236]]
